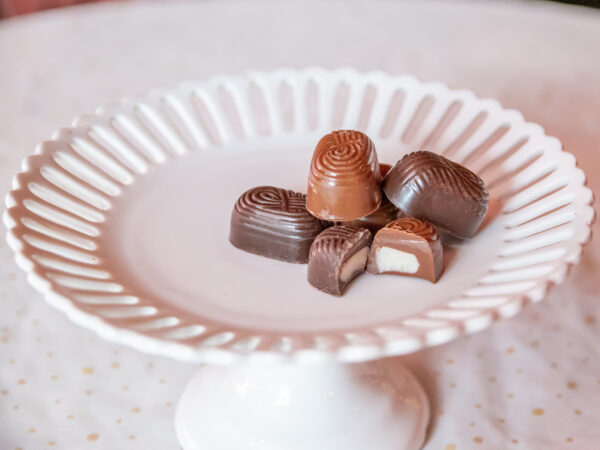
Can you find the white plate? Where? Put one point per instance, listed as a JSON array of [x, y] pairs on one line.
[[122, 219]]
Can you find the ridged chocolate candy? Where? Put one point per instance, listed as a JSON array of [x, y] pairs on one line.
[[274, 222], [337, 256], [428, 186], [343, 182], [407, 246]]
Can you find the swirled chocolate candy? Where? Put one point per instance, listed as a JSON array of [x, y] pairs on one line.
[[337, 256], [343, 182], [428, 186], [273, 222], [383, 215], [408, 247]]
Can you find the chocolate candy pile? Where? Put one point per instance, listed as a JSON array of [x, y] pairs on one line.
[[359, 215]]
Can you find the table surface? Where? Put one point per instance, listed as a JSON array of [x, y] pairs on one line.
[[527, 383]]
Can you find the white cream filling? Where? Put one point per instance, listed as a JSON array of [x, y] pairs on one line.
[[353, 264], [392, 260]]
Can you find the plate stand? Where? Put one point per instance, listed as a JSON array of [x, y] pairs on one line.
[[322, 406]]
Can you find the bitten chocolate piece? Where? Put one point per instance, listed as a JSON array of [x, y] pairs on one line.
[[408, 247], [344, 178], [428, 186], [274, 222], [337, 256], [379, 219]]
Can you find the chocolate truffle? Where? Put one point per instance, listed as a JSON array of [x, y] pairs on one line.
[[274, 222], [337, 256], [343, 182], [428, 186], [408, 247]]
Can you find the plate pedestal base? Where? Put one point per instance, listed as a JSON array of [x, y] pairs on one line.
[[326, 406]]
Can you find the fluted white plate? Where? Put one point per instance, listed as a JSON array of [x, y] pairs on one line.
[[122, 219]]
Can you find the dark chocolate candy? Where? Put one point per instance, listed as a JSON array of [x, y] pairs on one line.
[[273, 222], [344, 178], [379, 219], [428, 186], [408, 247], [384, 169], [337, 256]]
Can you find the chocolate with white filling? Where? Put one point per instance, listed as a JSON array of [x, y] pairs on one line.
[[408, 247]]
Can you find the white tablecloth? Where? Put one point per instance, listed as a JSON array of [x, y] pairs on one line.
[[532, 382]]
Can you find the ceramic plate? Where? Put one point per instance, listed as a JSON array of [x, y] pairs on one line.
[[122, 219]]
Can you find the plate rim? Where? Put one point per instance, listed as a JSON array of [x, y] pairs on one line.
[[362, 350]]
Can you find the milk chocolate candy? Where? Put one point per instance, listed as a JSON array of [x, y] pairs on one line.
[[379, 219], [408, 247], [344, 178], [273, 222], [428, 186], [337, 256]]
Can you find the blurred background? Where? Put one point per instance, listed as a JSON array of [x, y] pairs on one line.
[[9, 8]]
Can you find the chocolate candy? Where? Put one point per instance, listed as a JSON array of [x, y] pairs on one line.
[[273, 222], [428, 186], [337, 256], [384, 169], [344, 178], [383, 215], [408, 247], [379, 219]]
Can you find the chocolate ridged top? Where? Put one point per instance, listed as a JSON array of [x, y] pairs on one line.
[[330, 251], [286, 209], [339, 239], [423, 169], [344, 157], [344, 177], [414, 236], [428, 186], [415, 226], [338, 243]]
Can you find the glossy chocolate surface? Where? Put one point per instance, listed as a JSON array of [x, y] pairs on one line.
[[337, 256], [384, 169], [433, 188], [412, 245], [379, 219], [273, 222], [344, 178]]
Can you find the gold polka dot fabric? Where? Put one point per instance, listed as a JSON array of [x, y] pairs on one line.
[[531, 382], [62, 387]]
